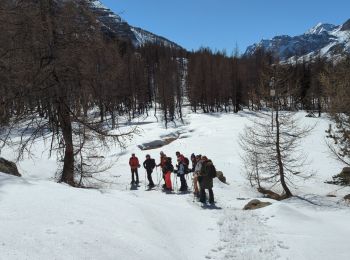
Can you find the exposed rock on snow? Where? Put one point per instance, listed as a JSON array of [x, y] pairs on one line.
[[347, 197], [159, 143], [271, 195], [256, 204], [346, 171], [152, 145], [9, 167]]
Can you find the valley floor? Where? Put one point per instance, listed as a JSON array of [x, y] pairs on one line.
[[41, 219]]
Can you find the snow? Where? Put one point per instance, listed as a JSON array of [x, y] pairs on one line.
[[322, 37], [142, 38], [41, 219], [320, 28], [98, 4]]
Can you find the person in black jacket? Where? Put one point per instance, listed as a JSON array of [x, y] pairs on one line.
[[149, 164], [168, 169]]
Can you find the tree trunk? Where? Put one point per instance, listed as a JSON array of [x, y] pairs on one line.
[[66, 127], [113, 118], [319, 107], [279, 158]]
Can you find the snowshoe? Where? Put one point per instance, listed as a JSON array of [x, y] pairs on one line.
[[134, 187], [168, 191], [151, 187]]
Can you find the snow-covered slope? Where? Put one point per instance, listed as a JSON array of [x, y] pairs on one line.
[[114, 25], [41, 219], [326, 40]]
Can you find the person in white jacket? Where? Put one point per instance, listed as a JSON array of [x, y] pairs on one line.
[[197, 170], [181, 171]]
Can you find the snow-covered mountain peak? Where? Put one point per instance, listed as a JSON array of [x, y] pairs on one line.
[[321, 28], [97, 4], [115, 26], [324, 39]]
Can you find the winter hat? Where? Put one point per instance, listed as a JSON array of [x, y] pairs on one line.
[[193, 155]]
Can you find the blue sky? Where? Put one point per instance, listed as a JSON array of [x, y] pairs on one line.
[[221, 24]]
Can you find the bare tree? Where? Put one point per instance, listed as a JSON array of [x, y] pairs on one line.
[[272, 153], [336, 80], [53, 65], [273, 156]]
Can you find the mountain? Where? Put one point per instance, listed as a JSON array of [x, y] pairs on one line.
[[327, 40], [114, 25]]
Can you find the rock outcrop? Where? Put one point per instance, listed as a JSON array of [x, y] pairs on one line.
[[256, 204], [9, 167]]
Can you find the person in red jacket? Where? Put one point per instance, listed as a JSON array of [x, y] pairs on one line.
[[134, 165], [162, 163]]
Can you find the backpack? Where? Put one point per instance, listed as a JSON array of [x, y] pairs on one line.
[[186, 161], [153, 164], [210, 168], [170, 166]]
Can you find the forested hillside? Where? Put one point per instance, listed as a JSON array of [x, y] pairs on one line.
[[64, 79]]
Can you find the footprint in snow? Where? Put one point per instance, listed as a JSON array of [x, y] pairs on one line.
[[50, 232], [281, 245]]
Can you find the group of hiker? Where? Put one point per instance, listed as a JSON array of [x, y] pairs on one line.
[[202, 168]]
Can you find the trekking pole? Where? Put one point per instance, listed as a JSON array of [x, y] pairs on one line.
[[194, 195], [192, 185], [176, 184], [174, 180], [145, 179], [159, 181]]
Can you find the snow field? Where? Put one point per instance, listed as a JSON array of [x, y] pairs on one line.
[[40, 219]]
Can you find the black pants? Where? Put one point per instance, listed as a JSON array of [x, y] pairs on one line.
[[149, 177], [183, 182], [203, 198], [134, 172]]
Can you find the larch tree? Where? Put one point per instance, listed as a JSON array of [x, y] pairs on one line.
[[271, 146], [336, 80]]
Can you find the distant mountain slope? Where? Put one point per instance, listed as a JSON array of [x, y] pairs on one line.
[[113, 24], [327, 40]]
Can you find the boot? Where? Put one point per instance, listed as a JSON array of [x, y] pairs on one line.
[[202, 198]]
